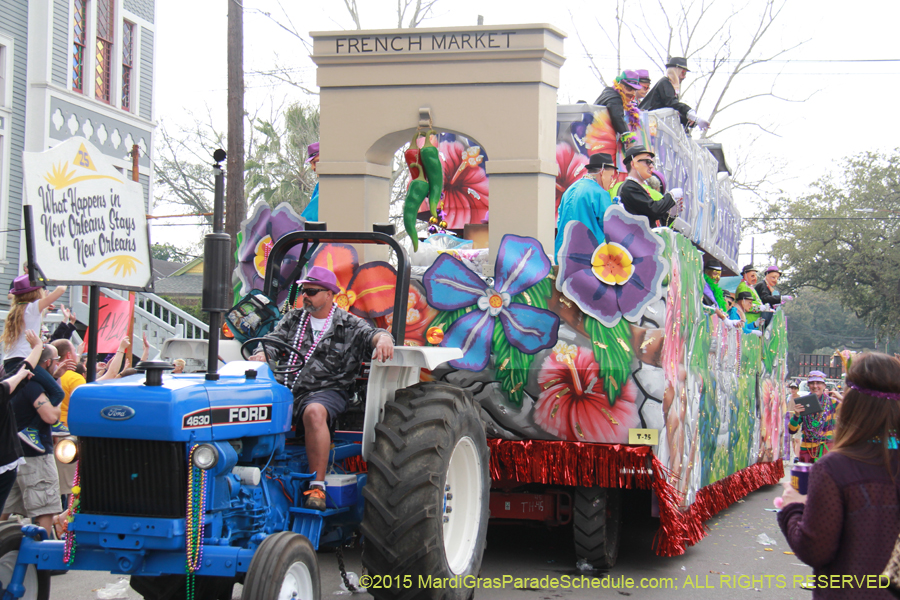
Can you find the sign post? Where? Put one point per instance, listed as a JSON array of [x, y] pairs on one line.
[[93, 322], [87, 226]]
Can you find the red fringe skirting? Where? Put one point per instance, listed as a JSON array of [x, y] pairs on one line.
[[621, 466]]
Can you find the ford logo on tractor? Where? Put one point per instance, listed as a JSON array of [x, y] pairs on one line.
[[117, 413]]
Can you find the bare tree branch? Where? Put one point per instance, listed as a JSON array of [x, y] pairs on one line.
[[766, 19], [620, 19], [281, 74], [769, 95], [354, 12], [593, 65], [291, 30], [748, 123], [420, 12]]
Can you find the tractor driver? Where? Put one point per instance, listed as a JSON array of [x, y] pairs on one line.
[[333, 343]]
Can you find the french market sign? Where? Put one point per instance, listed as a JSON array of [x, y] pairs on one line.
[[430, 42], [90, 225]]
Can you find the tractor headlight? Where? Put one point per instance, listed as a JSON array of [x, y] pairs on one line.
[[66, 450], [205, 456]]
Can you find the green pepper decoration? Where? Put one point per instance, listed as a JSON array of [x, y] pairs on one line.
[[416, 193], [434, 172]]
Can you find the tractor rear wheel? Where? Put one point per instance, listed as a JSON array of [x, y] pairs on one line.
[[596, 519], [427, 494], [284, 566], [37, 583]]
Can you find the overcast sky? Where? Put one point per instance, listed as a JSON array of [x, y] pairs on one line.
[[846, 66]]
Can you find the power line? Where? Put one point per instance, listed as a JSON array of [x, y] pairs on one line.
[[804, 60], [763, 60], [819, 219]]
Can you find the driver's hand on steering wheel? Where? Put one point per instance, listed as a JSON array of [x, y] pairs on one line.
[[258, 357]]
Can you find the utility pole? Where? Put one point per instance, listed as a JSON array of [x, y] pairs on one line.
[[235, 208]]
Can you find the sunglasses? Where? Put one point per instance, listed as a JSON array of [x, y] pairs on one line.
[[646, 161], [310, 292]]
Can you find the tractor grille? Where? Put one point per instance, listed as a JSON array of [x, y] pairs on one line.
[[132, 478]]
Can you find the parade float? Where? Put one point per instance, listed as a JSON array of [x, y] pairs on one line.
[[530, 387], [597, 371]]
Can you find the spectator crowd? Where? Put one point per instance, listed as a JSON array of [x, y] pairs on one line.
[[38, 378]]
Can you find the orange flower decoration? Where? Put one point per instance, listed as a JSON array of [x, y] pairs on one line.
[[600, 135], [367, 290]]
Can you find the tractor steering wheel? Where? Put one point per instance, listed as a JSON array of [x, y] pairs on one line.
[[280, 357]]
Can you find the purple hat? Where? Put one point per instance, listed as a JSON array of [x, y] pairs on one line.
[[21, 285], [773, 269], [312, 151], [323, 277], [630, 78], [816, 376], [643, 75]]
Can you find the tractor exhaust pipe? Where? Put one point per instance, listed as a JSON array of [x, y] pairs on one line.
[[216, 246]]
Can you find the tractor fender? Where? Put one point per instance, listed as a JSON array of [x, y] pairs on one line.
[[402, 371]]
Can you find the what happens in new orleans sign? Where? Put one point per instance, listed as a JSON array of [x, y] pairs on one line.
[[89, 219]]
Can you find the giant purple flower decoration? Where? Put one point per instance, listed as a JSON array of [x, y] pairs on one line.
[[259, 233], [450, 285], [617, 278]]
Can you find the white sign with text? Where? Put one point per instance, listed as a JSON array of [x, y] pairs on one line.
[[89, 220]]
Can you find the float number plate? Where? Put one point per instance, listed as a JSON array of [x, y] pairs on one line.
[[643, 437]]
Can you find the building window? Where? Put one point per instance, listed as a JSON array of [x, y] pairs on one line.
[[127, 63], [6, 70], [78, 45], [105, 28], [4, 79]]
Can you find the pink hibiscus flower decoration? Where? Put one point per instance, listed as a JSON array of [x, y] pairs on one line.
[[465, 185], [573, 405], [772, 421], [570, 168]]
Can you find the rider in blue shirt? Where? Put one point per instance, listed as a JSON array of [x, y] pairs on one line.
[[587, 199], [311, 212]]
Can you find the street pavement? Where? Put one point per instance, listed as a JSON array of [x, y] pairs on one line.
[[728, 563]]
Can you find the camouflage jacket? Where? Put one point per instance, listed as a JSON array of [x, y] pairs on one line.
[[336, 361]]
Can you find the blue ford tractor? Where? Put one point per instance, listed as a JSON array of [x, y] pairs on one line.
[[190, 483]]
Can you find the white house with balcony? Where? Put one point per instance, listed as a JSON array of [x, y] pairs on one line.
[[75, 68]]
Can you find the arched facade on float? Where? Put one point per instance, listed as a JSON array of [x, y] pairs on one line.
[[496, 85]]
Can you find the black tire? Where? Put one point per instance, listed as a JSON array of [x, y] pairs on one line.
[[406, 500], [174, 587], [280, 556], [596, 521], [37, 583]]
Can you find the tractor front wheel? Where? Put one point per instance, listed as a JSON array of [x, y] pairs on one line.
[[284, 566], [426, 511], [37, 583]]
